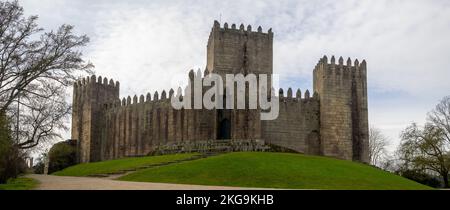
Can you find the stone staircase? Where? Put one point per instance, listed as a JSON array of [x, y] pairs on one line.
[[208, 146], [117, 174]]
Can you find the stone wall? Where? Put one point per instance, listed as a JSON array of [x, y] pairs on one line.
[[297, 126], [109, 128], [135, 127]]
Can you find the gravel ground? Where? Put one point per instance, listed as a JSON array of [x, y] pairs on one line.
[[49, 182]]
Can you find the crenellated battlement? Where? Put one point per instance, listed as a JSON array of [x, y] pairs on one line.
[[340, 62], [164, 96], [242, 28], [82, 82], [132, 101], [347, 69], [298, 96]]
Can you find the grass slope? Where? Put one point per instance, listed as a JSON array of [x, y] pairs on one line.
[[112, 166], [21, 183], [275, 170]]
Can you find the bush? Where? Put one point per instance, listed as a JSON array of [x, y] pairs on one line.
[[62, 155], [5, 145], [421, 177], [11, 161], [39, 168]]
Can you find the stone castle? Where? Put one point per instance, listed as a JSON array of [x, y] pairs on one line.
[[333, 121]]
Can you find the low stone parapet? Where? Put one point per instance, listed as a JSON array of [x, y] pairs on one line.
[[211, 146]]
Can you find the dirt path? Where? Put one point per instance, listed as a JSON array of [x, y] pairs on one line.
[[49, 182]]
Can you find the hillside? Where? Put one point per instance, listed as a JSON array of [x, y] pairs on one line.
[[118, 165], [275, 170]]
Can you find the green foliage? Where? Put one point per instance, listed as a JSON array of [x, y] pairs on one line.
[[425, 149], [275, 170], [5, 146], [62, 155], [11, 163], [39, 168], [21, 183], [112, 166], [421, 177]]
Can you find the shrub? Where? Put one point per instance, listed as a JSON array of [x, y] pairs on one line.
[[11, 161], [62, 155], [421, 177]]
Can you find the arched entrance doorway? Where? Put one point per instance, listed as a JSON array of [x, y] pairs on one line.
[[224, 129], [223, 120]]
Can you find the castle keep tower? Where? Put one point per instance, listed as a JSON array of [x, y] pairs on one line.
[[89, 98], [342, 89], [232, 50]]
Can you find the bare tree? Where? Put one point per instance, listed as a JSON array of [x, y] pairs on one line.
[[440, 117], [377, 146], [42, 117], [36, 67], [389, 162]]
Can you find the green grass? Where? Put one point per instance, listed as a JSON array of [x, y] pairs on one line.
[[21, 183], [112, 166], [275, 170]]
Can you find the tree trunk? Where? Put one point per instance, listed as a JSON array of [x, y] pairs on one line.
[[445, 176]]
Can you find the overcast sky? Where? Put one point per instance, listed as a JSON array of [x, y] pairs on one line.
[[142, 43]]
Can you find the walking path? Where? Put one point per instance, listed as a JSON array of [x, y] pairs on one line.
[[50, 182], [117, 174]]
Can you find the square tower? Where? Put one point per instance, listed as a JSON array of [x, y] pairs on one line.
[[239, 51], [89, 98], [344, 126], [233, 51]]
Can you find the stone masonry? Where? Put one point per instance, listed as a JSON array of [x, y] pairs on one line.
[[330, 121]]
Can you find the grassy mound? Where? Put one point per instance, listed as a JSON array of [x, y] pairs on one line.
[[112, 166], [21, 183], [275, 170]]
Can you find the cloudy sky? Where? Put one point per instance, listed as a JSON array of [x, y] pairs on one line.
[[143, 43]]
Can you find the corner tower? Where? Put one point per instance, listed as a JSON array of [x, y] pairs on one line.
[[239, 50], [89, 98], [342, 89]]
